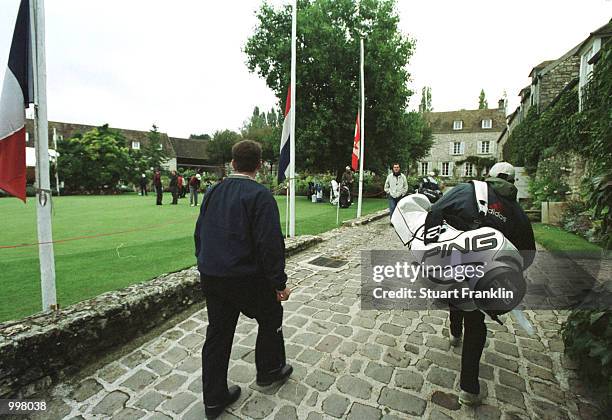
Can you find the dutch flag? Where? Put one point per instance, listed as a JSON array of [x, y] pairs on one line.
[[285, 145], [17, 93]]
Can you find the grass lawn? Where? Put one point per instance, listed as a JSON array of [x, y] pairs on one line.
[[554, 238], [141, 242]]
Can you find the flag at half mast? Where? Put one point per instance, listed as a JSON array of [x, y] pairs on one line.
[[285, 144], [17, 93], [356, 145]]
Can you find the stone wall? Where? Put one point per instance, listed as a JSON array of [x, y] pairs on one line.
[[554, 80], [38, 350]]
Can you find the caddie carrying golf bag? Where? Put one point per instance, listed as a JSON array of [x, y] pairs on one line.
[[500, 263]]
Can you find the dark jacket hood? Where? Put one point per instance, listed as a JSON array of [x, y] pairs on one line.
[[503, 187]]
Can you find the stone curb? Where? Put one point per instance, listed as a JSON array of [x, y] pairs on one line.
[[364, 220]]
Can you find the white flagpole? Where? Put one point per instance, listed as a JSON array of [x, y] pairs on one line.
[[57, 185], [287, 212], [41, 138], [362, 131], [292, 126], [338, 208]]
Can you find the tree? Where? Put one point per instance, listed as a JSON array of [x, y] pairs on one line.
[[94, 161], [200, 136], [328, 79], [220, 147], [425, 105], [153, 150], [266, 130], [482, 100]]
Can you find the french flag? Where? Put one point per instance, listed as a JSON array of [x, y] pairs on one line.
[[283, 164], [356, 142], [17, 93]]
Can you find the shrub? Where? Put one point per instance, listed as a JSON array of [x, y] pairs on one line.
[[587, 335]]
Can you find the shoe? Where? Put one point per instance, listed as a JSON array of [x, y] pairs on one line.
[[214, 411], [279, 375], [467, 398], [454, 341]]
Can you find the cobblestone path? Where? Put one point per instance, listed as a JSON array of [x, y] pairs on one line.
[[348, 363]]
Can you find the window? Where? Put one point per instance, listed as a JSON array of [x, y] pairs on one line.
[[457, 125], [424, 168], [469, 169], [136, 145], [457, 148], [485, 147], [487, 123], [445, 169]]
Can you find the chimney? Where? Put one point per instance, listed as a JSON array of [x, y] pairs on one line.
[[501, 104]]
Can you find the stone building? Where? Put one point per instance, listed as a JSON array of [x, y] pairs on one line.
[[458, 135], [182, 152]]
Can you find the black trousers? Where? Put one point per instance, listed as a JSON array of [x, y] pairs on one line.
[[143, 189], [160, 192], [226, 298], [475, 336]]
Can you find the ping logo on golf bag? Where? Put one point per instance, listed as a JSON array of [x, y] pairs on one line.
[[482, 242]]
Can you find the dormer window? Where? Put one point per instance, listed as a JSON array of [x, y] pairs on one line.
[[487, 123], [458, 125]]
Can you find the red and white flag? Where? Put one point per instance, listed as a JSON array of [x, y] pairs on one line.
[[356, 142], [17, 93]]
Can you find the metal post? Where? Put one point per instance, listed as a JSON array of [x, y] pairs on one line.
[[41, 139], [57, 185], [292, 126], [362, 131]]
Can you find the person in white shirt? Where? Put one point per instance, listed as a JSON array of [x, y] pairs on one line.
[[396, 187]]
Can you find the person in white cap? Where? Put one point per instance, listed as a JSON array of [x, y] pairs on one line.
[[194, 188], [459, 209]]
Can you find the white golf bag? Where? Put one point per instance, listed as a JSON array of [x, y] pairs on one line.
[[501, 265], [334, 192]]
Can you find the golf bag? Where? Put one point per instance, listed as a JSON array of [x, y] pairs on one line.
[[500, 263], [334, 193], [345, 196]]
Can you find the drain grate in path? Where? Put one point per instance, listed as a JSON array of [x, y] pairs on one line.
[[326, 263]]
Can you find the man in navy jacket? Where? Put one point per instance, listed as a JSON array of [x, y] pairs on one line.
[[241, 259]]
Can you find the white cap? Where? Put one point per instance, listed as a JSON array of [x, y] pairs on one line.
[[502, 168], [198, 177], [432, 174]]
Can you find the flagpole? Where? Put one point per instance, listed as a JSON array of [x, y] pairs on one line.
[[41, 139], [57, 185], [362, 131], [287, 212], [292, 135]]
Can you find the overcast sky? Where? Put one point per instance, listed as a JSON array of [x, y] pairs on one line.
[[180, 64]]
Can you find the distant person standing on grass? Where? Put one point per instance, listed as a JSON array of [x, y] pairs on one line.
[[241, 259], [396, 187], [194, 188], [157, 184], [174, 187], [179, 184], [143, 184]]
